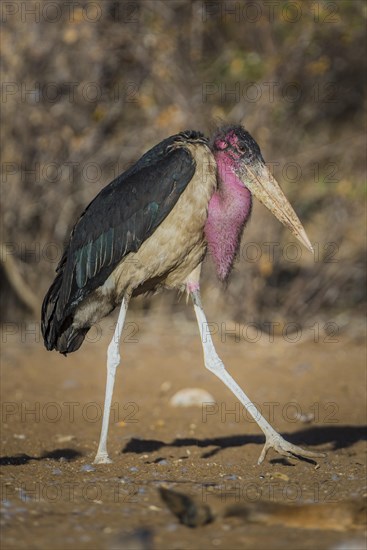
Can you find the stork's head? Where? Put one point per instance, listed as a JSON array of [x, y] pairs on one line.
[[241, 155]]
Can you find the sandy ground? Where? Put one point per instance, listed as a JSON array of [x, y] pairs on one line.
[[52, 495]]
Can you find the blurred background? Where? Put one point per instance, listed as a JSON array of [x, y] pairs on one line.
[[88, 87]]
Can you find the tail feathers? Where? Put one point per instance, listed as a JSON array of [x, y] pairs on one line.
[[70, 339], [49, 323], [59, 333]]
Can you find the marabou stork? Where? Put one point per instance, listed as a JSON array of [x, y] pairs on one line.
[[150, 229]]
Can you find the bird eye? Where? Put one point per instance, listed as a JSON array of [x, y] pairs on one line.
[[242, 147], [247, 153]]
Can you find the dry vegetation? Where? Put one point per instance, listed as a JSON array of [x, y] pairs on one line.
[[87, 91]]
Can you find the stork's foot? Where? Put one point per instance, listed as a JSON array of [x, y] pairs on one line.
[[283, 447], [102, 458]]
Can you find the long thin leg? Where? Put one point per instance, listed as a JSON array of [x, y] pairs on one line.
[[113, 361], [215, 365]]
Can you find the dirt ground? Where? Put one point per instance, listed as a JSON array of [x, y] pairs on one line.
[[312, 390]]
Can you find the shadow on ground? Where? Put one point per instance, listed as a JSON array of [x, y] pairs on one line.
[[340, 437], [18, 460]]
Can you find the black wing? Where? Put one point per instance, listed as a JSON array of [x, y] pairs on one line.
[[120, 218]]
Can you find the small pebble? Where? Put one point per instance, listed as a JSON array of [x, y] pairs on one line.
[[279, 475], [191, 397], [64, 438], [87, 468], [172, 527], [306, 418]]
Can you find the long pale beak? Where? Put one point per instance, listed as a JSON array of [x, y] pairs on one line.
[[261, 183]]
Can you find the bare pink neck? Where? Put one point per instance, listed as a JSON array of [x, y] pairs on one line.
[[228, 211]]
